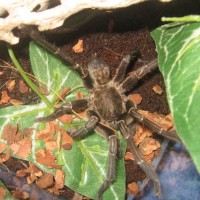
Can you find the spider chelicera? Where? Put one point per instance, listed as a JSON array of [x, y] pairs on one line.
[[109, 105]]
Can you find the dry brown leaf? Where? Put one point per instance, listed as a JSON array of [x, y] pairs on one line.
[[4, 97], [78, 47], [10, 85], [25, 148], [2, 192], [136, 98], [66, 119], [59, 179], [22, 87], [133, 188], [45, 181], [2, 147], [16, 102], [157, 89]]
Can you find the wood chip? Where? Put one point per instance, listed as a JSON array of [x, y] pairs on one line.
[[35, 170], [136, 98], [79, 95], [63, 93], [18, 194], [51, 145], [129, 156], [15, 148], [133, 188], [4, 97], [2, 147], [78, 47], [9, 133], [148, 145], [1, 73], [10, 85], [59, 179], [30, 179], [21, 173], [22, 87], [45, 157], [44, 90], [157, 89], [2, 192], [25, 148], [16, 102], [159, 119], [66, 119], [45, 181]]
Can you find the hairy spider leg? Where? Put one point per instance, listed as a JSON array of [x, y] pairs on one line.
[[126, 60], [76, 105], [111, 171], [125, 130], [138, 74], [37, 37], [89, 125], [154, 127]]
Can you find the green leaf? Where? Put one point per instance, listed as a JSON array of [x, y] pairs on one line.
[[178, 47], [85, 165]]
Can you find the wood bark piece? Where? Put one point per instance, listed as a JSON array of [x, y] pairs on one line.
[[17, 13]]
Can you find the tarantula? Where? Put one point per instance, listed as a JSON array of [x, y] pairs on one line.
[[108, 104]]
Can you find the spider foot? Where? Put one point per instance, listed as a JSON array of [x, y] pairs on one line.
[[76, 105]]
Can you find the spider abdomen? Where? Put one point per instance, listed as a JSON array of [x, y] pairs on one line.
[[108, 103]]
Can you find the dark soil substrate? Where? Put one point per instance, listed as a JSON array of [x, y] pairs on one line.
[[110, 46]]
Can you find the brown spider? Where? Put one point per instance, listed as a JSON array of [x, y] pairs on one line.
[[109, 105]]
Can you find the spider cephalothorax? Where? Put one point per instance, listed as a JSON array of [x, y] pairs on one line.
[[99, 71], [113, 102], [109, 105]]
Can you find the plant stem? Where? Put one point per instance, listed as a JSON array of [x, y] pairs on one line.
[[26, 78]]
